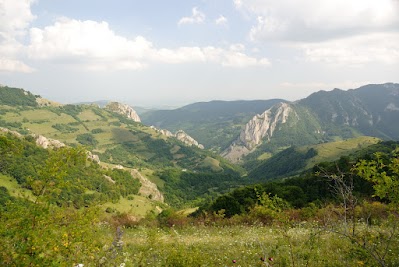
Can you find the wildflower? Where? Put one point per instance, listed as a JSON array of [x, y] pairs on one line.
[[271, 259], [234, 261]]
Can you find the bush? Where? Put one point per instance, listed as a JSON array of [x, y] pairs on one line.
[[87, 139]]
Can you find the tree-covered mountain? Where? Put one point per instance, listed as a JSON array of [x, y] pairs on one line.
[[371, 110]]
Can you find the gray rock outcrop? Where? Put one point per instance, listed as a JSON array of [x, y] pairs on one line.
[[93, 157], [124, 110], [15, 133], [259, 128], [181, 136], [47, 142], [188, 140]]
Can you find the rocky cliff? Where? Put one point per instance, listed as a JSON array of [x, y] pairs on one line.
[[47, 142], [181, 136], [124, 110], [260, 127], [188, 140]]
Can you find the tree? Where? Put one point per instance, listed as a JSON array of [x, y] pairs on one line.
[[55, 169], [383, 172]]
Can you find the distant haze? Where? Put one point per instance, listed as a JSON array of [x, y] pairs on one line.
[[171, 53]]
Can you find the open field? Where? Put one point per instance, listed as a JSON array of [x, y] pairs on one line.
[[240, 245], [332, 151]]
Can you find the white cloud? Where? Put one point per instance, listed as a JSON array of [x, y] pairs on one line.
[[87, 42], [11, 65], [354, 32], [196, 17], [15, 18], [356, 50], [221, 20], [95, 46], [310, 20]]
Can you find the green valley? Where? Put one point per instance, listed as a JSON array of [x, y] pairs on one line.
[[94, 186]]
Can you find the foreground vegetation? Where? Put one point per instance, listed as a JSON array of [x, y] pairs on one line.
[[34, 235]]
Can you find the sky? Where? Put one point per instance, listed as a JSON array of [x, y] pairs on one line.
[[173, 52]]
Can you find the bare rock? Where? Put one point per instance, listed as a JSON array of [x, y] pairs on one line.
[[47, 142], [124, 110], [261, 127]]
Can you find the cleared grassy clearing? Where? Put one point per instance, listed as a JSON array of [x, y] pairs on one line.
[[301, 245], [14, 188], [332, 151], [137, 206]]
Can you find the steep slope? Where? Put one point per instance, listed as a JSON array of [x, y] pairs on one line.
[[280, 126], [214, 124]]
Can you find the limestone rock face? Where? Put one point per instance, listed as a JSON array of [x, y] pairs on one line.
[[124, 110], [15, 133], [181, 136], [93, 157], [163, 131], [47, 142], [188, 140], [42, 102], [260, 127]]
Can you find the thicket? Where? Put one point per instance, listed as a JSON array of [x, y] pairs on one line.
[[87, 139], [64, 128], [64, 176], [16, 97], [188, 188]]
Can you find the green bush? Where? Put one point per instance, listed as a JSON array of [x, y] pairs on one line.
[[86, 139]]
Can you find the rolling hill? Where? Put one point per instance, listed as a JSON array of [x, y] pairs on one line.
[[115, 138]]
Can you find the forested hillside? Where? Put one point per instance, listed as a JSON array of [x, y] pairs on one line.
[[64, 176]]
